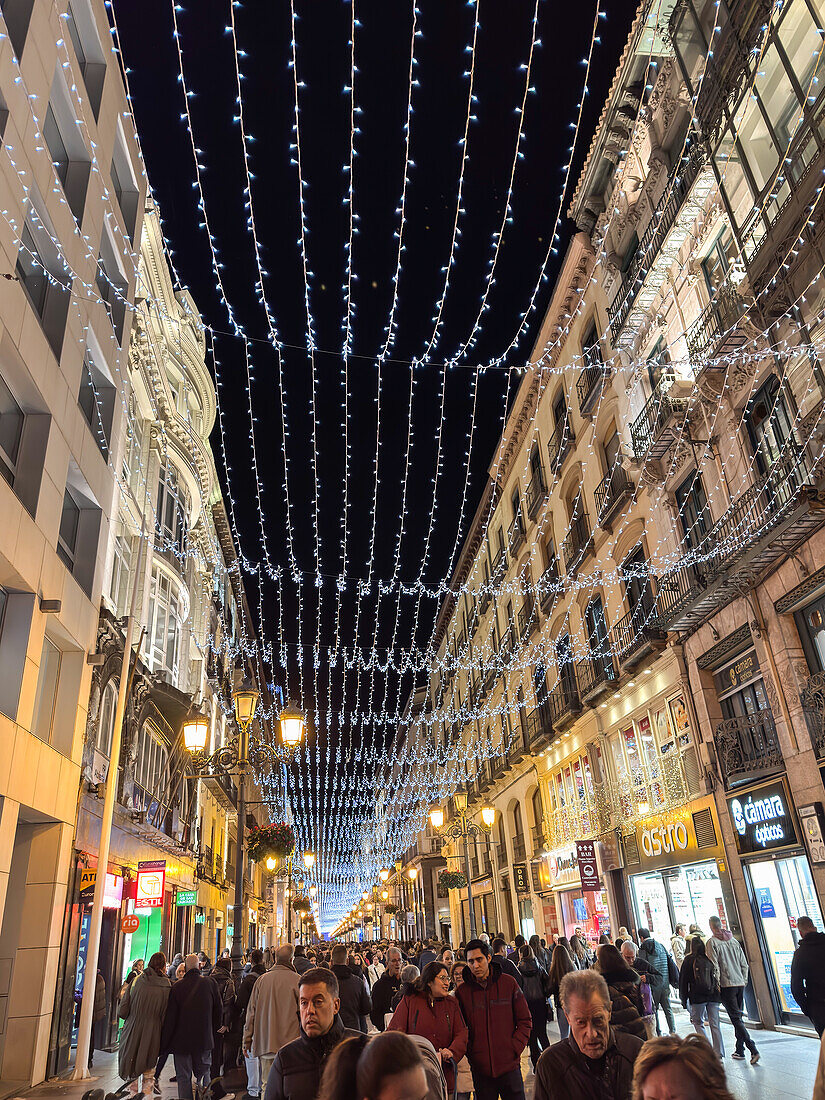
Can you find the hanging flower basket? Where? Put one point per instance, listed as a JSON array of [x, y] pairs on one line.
[[368, 919], [452, 880], [391, 908], [270, 841], [302, 905]]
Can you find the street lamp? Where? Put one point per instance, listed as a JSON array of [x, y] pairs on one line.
[[309, 860], [242, 753], [384, 874], [462, 828]]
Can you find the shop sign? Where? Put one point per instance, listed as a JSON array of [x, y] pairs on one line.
[[129, 925], [586, 856], [564, 867], [671, 836], [151, 879], [740, 672], [112, 892], [609, 852], [813, 829], [762, 819], [186, 897], [521, 878]]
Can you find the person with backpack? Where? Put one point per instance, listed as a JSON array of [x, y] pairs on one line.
[[699, 992], [536, 986], [627, 1009]]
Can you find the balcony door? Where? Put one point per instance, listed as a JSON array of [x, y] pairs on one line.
[[694, 514], [770, 427], [567, 675], [596, 625], [637, 587]]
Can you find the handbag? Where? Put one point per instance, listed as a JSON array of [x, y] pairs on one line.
[[647, 998], [672, 972]]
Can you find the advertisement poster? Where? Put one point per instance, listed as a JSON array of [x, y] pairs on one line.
[[766, 906], [678, 713], [783, 973], [151, 879]]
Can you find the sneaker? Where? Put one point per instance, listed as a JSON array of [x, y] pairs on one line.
[[156, 1087], [737, 1057], [754, 1057]]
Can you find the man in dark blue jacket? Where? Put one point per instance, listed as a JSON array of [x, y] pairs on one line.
[[658, 978]]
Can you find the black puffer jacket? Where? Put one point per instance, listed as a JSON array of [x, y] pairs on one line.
[[296, 1071], [626, 1006], [808, 972], [355, 1000], [534, 980], [563, 1073]]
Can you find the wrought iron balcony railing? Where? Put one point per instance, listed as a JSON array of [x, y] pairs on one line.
[[813, 703], [595, 675], [578, 542], [590, 383], [517, 534], [747, 746], [560, 444], [715, 322], [499, 565], [549, 583], [563, 702], [519, 849], [536, 492], [637, 632], [611, 493], [528, 620], [539, 727], [653, 430], [541, 842]]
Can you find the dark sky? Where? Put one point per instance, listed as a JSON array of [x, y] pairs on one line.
[[333, 784]]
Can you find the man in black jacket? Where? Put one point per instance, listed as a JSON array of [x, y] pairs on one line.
[[193, 1015], [594, 1062], [300, 960], [352, 992], [808, 973], [507, 965], [296, 1071], [253, 1065], [386, 988]]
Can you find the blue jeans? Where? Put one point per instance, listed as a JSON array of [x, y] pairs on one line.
[[253, 1075], [188, 1066], [697, 1018]]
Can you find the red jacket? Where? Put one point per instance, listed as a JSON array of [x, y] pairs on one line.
[[498, 1021], [439, 1020]]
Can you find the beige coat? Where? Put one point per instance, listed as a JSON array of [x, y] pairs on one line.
[[272, 1014]]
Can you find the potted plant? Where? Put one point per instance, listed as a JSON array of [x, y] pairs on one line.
[[390, 908], [452, 880], [276, 841]]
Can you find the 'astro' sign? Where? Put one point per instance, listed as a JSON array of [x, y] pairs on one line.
[[762, 819]]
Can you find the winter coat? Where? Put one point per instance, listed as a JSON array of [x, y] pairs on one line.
[[272, 1012], [678, 945], [533, 980], [382, 994], [426, 956], [509, 967], [193, 1015], [437, 1019], [355, 1000], [728, 959], [498, 1021], [374, 972], [698, 982], [656, 958], [226, 988], [302, 964], [143, 1007], [172, 968], [296, 1071], [563, 1072], [242, 1001], [626, 1005], [808, 972]]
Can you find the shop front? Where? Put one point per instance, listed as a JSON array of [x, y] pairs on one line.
[[483, 908], [676, 871], [779, 883], [578, 907]]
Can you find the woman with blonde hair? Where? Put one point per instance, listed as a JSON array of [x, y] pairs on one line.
[[674, 1066]]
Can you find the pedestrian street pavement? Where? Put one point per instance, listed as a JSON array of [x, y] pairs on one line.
[[786, 1070]]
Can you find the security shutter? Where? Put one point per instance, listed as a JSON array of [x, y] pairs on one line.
[[693, 775], [704, 829], [631, 850]]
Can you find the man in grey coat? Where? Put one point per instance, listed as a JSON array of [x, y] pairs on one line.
[[731, 968], [143, 1007], [655, 955]]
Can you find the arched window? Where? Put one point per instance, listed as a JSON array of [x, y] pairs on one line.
[[165, 621], [538, 809], [106, 719]]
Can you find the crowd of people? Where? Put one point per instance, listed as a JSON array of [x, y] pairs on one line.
[[379, 1021]]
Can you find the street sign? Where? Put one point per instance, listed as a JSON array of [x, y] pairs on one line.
[[186, 897], [129, 925], [589, 872], [151, 879]]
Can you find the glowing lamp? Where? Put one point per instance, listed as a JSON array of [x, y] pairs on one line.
[[383, 874], [293, 725], [195, 732], [461, 800], [309, 860], [436, 817], [384, 895], [271, 863], [488, 816], [412, 873], [245, 700], [644, 807]]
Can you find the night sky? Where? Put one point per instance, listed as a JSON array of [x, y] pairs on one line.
[[336, 775]]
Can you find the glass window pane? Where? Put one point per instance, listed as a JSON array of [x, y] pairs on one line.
[[11, 430], [46, 696]]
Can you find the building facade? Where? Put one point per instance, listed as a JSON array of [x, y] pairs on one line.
[[634, 655]]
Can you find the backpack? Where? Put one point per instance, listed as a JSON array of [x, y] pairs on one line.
[[704, 978], [672, 972]]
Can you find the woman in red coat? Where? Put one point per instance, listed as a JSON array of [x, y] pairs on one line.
[[428, 1010]]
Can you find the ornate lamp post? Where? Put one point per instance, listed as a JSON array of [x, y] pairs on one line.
[[462, 827], [241, 754]]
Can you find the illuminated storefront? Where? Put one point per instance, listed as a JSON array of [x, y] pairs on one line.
[[589, 910]]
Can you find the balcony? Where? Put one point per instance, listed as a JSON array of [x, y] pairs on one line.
[[563, 703], [519, 849], [760, 530], [484, 598], [536, 492], [578, 544], [517, 747], [549, 586], [664, 216], [559, 445], [813, 704], [715, 331], [747, 747], [590, 384], [596, 675], [528, 620], [516, 534], [638, 633], [611, 495], [499, 566], [660, 421], [222, 787], [541, 841], [539, 727]]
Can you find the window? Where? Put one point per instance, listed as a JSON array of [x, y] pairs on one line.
[[172, 512], [41, 273], [124, 184], [69, 526], [17, 14], [165, 622], [718, 262], [112, 290], [97, 402], [770, 426], [119, 586], [46, 696], [106, 719], [591, 348], [694, 513], [151, 764], [80, 25], [67, 147], [637, 586], [132, 452], [596, 625], [56, 145], [11, 432]]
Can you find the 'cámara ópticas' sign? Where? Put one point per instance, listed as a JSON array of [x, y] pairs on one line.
[[762, 819]]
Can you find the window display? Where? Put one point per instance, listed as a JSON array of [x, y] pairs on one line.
[[586, 910], [690, 894]]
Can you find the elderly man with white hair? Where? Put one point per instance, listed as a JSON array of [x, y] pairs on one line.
[[594, 1060], [386, 988]]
